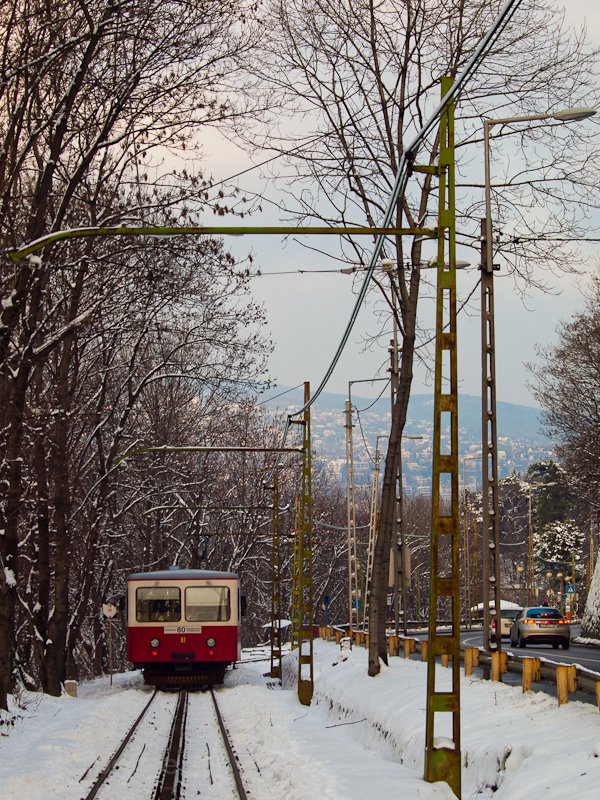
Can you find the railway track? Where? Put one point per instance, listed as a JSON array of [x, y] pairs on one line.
[[170, 784]]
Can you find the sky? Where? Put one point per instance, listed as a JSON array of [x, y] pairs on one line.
[[307, 313]]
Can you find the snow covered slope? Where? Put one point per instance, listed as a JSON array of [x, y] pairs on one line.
[[362, 738]]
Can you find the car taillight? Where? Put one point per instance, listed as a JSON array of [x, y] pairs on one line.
[[154, 652], [493, 624], [529, 621], [563, 622]]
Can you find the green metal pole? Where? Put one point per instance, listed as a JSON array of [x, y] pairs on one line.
[[443, 763]]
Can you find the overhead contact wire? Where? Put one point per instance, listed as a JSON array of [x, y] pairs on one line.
[[404, 171]]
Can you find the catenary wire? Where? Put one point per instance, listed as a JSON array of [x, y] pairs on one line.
[[403, 173]]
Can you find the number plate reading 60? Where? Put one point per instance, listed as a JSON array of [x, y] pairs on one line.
[[183, 629]]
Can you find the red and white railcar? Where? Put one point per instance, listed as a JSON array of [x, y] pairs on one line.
[[183, 625]]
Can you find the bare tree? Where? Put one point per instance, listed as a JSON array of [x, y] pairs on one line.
[[566, 383], [362, 77], [96, 98]]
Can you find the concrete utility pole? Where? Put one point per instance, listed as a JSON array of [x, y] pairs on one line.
[[491, 539], [492, 639]]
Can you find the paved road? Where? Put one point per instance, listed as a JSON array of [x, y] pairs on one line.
[[588, 657]]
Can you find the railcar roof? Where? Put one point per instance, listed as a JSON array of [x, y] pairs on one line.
[[181, 575]]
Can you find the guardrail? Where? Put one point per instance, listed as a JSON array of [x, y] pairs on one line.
[[569, 678]]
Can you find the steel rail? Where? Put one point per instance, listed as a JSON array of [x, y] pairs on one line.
[[173, 758], [232, 760], [109, 767]]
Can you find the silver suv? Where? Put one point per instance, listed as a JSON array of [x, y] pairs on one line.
[[540, 625]]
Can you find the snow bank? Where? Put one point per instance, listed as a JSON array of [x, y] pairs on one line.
[[590, 626], [361, 739], [514, 745]]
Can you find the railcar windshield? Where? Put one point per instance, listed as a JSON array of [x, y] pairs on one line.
[[158, 604], [207, 604]]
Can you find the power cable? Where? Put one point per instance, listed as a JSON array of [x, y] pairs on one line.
[[287, 391], [360, 410], [424, 344], [402, 176], [362, 433]]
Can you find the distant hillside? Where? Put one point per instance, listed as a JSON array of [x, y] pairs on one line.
[[515, 421]]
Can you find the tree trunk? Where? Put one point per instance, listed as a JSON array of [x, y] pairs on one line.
[[379, 578]]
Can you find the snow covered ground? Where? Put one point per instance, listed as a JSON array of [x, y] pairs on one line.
[[513, 745]]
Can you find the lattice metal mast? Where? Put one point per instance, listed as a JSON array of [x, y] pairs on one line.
[[444, 762], [276, 586], [372, 531], [353, 597], [302, 592]]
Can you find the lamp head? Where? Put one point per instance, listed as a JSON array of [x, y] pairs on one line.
[[573, 114]]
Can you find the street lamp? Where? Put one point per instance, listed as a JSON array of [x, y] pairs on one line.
[[548, 589], [530, 592], [488, 393], [521, 570]]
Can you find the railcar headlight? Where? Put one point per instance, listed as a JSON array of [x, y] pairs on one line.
[[154, 642], [211, 642]]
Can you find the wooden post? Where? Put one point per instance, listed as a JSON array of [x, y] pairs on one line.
[[562, 684], [471, 659], [338, 636], [110, 647], [393, 644], [424, 651], [359, 638], [536, 670], [366, 641], [496, 667], [528, 669], [468, 661], [572, 678], [598, 694], [409, 647], [503, 663], [445, 660]]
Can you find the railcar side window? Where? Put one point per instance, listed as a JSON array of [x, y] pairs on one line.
[[207, 604], [158, 604]]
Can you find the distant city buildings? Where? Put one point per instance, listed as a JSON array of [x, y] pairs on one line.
[[329, 440]]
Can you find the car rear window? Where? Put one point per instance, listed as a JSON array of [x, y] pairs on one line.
[[510, 613], [548, 613]]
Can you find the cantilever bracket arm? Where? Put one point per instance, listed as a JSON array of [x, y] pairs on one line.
[[168, 449], [219, 230]]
